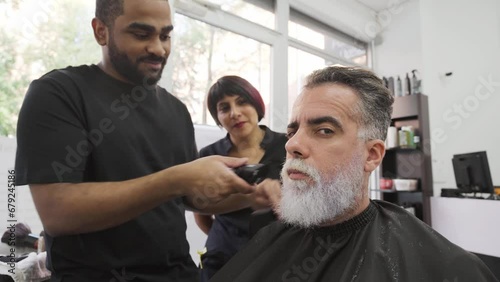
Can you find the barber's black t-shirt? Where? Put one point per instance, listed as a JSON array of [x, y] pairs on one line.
[[383, 243], [81, 125]]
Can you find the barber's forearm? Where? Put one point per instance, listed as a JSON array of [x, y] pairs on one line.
[[67, 208]]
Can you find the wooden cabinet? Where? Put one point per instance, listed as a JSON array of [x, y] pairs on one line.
[[405, 163]]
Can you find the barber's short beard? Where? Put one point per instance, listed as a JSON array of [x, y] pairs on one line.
[[129, 69], [308, 205]]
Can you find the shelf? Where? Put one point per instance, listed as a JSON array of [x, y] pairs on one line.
[[384, 190], [403, 149], [410, 163], [405, 107], [394, 191]]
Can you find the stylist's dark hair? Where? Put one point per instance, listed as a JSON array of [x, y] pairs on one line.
[[231, 85]]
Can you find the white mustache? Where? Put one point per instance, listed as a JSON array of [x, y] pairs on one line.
[[300, 166]]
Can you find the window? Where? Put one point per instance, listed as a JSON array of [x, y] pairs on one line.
[[326, 38], [202, 53], [314, 45], [300, 64], [38, 36], [260, 12], [210, 41]]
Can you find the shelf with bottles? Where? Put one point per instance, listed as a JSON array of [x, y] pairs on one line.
[[401, 85], [393, 191], [397, 184], [407, 160], [402, 137]]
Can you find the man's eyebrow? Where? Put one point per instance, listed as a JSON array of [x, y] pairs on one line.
[[147, 27], [316, 121], [167, 28], [293, 125], [326, 119]]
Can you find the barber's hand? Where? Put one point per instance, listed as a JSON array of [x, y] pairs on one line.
[[211, 179], [267, 194]]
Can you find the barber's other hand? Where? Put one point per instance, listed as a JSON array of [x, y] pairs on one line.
[[211, 179], [267, 194]]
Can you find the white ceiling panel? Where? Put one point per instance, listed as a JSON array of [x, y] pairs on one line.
[[378, 5]]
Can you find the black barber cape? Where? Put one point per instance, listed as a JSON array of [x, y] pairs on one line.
[[383, 243]]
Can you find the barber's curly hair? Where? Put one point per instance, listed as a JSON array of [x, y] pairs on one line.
[[373, 112], [108, 10]]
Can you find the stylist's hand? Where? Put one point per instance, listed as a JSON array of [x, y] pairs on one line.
[[267, 194], [211, 179]]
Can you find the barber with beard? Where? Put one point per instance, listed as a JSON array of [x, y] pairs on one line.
[[330, 229], [109, 157]]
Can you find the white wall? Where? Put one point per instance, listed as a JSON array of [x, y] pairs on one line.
[[457, 220], [398, 48], [460, 37]]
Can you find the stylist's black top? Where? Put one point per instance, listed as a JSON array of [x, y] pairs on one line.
[[231, 231]]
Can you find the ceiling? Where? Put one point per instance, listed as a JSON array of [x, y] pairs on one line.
[[378, 5]]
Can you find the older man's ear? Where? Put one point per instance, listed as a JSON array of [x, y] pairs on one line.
[[376, 152]]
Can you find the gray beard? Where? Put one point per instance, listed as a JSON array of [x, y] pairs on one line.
[[328, 198]]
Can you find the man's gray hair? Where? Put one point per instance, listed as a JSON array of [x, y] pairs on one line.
[[375, 104]]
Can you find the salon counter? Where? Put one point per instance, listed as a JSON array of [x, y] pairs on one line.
[[473, 224]]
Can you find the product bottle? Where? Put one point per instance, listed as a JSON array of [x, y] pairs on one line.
[[415, 83], [403, 138], [408, 85], [392, 137], [411, 141], [416, 141], [391, 85], [399, 87], [409, 134], [386, 82]]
